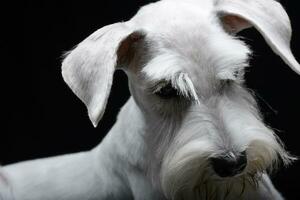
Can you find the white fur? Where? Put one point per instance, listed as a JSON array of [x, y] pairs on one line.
[[158, 148]]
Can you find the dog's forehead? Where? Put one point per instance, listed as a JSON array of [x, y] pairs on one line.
[[196, 53], [168, 10], [189, 40]]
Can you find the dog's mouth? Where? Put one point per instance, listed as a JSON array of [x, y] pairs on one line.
[[222, 188], [199, 180], [210, 186], [202, 175]]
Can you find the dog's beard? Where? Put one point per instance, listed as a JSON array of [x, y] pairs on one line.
[[180, 150], [207, 187], [186, 173]]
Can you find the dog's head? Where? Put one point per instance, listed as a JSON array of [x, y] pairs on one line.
[[185, 67]]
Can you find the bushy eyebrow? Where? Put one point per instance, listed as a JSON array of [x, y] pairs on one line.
[[166, 68], [181, 82], [230, 69], [185, 86], [232, 73]]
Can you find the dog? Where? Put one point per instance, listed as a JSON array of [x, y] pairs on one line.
[[190, 130]]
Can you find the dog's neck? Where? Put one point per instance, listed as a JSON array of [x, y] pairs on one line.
[[125, 139], [123, 154]]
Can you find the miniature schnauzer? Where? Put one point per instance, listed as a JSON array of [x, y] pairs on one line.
[[190, 130]]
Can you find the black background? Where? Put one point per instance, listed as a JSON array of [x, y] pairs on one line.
[[42, 117]]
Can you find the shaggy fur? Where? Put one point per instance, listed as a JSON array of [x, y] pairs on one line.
[[161, 148]]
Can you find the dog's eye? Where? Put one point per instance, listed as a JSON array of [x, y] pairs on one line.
[[225, 83], [236, 73], [167, 92]]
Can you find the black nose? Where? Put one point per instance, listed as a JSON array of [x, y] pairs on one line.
[[229, 164]]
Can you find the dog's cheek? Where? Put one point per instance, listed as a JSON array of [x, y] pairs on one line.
[[169, 108]]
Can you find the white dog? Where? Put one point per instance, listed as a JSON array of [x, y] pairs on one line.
[[191, 130]]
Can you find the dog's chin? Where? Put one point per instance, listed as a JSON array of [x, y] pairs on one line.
[[218, 188], [187, 174], [194, 182]]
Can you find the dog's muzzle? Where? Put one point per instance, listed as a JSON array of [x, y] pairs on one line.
[[230, 164]]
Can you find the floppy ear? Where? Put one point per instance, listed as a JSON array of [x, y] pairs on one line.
[[89, 68], [267, 16]]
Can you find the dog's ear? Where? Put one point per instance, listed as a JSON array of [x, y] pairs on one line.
[[267, 16], [89, 68]]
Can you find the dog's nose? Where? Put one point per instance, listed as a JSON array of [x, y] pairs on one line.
[[229, 164]]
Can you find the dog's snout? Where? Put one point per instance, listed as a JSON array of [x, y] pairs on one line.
[[230, 164]]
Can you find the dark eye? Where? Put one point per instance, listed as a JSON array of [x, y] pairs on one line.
[[236, 73], [167, 92], [225, 83]]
